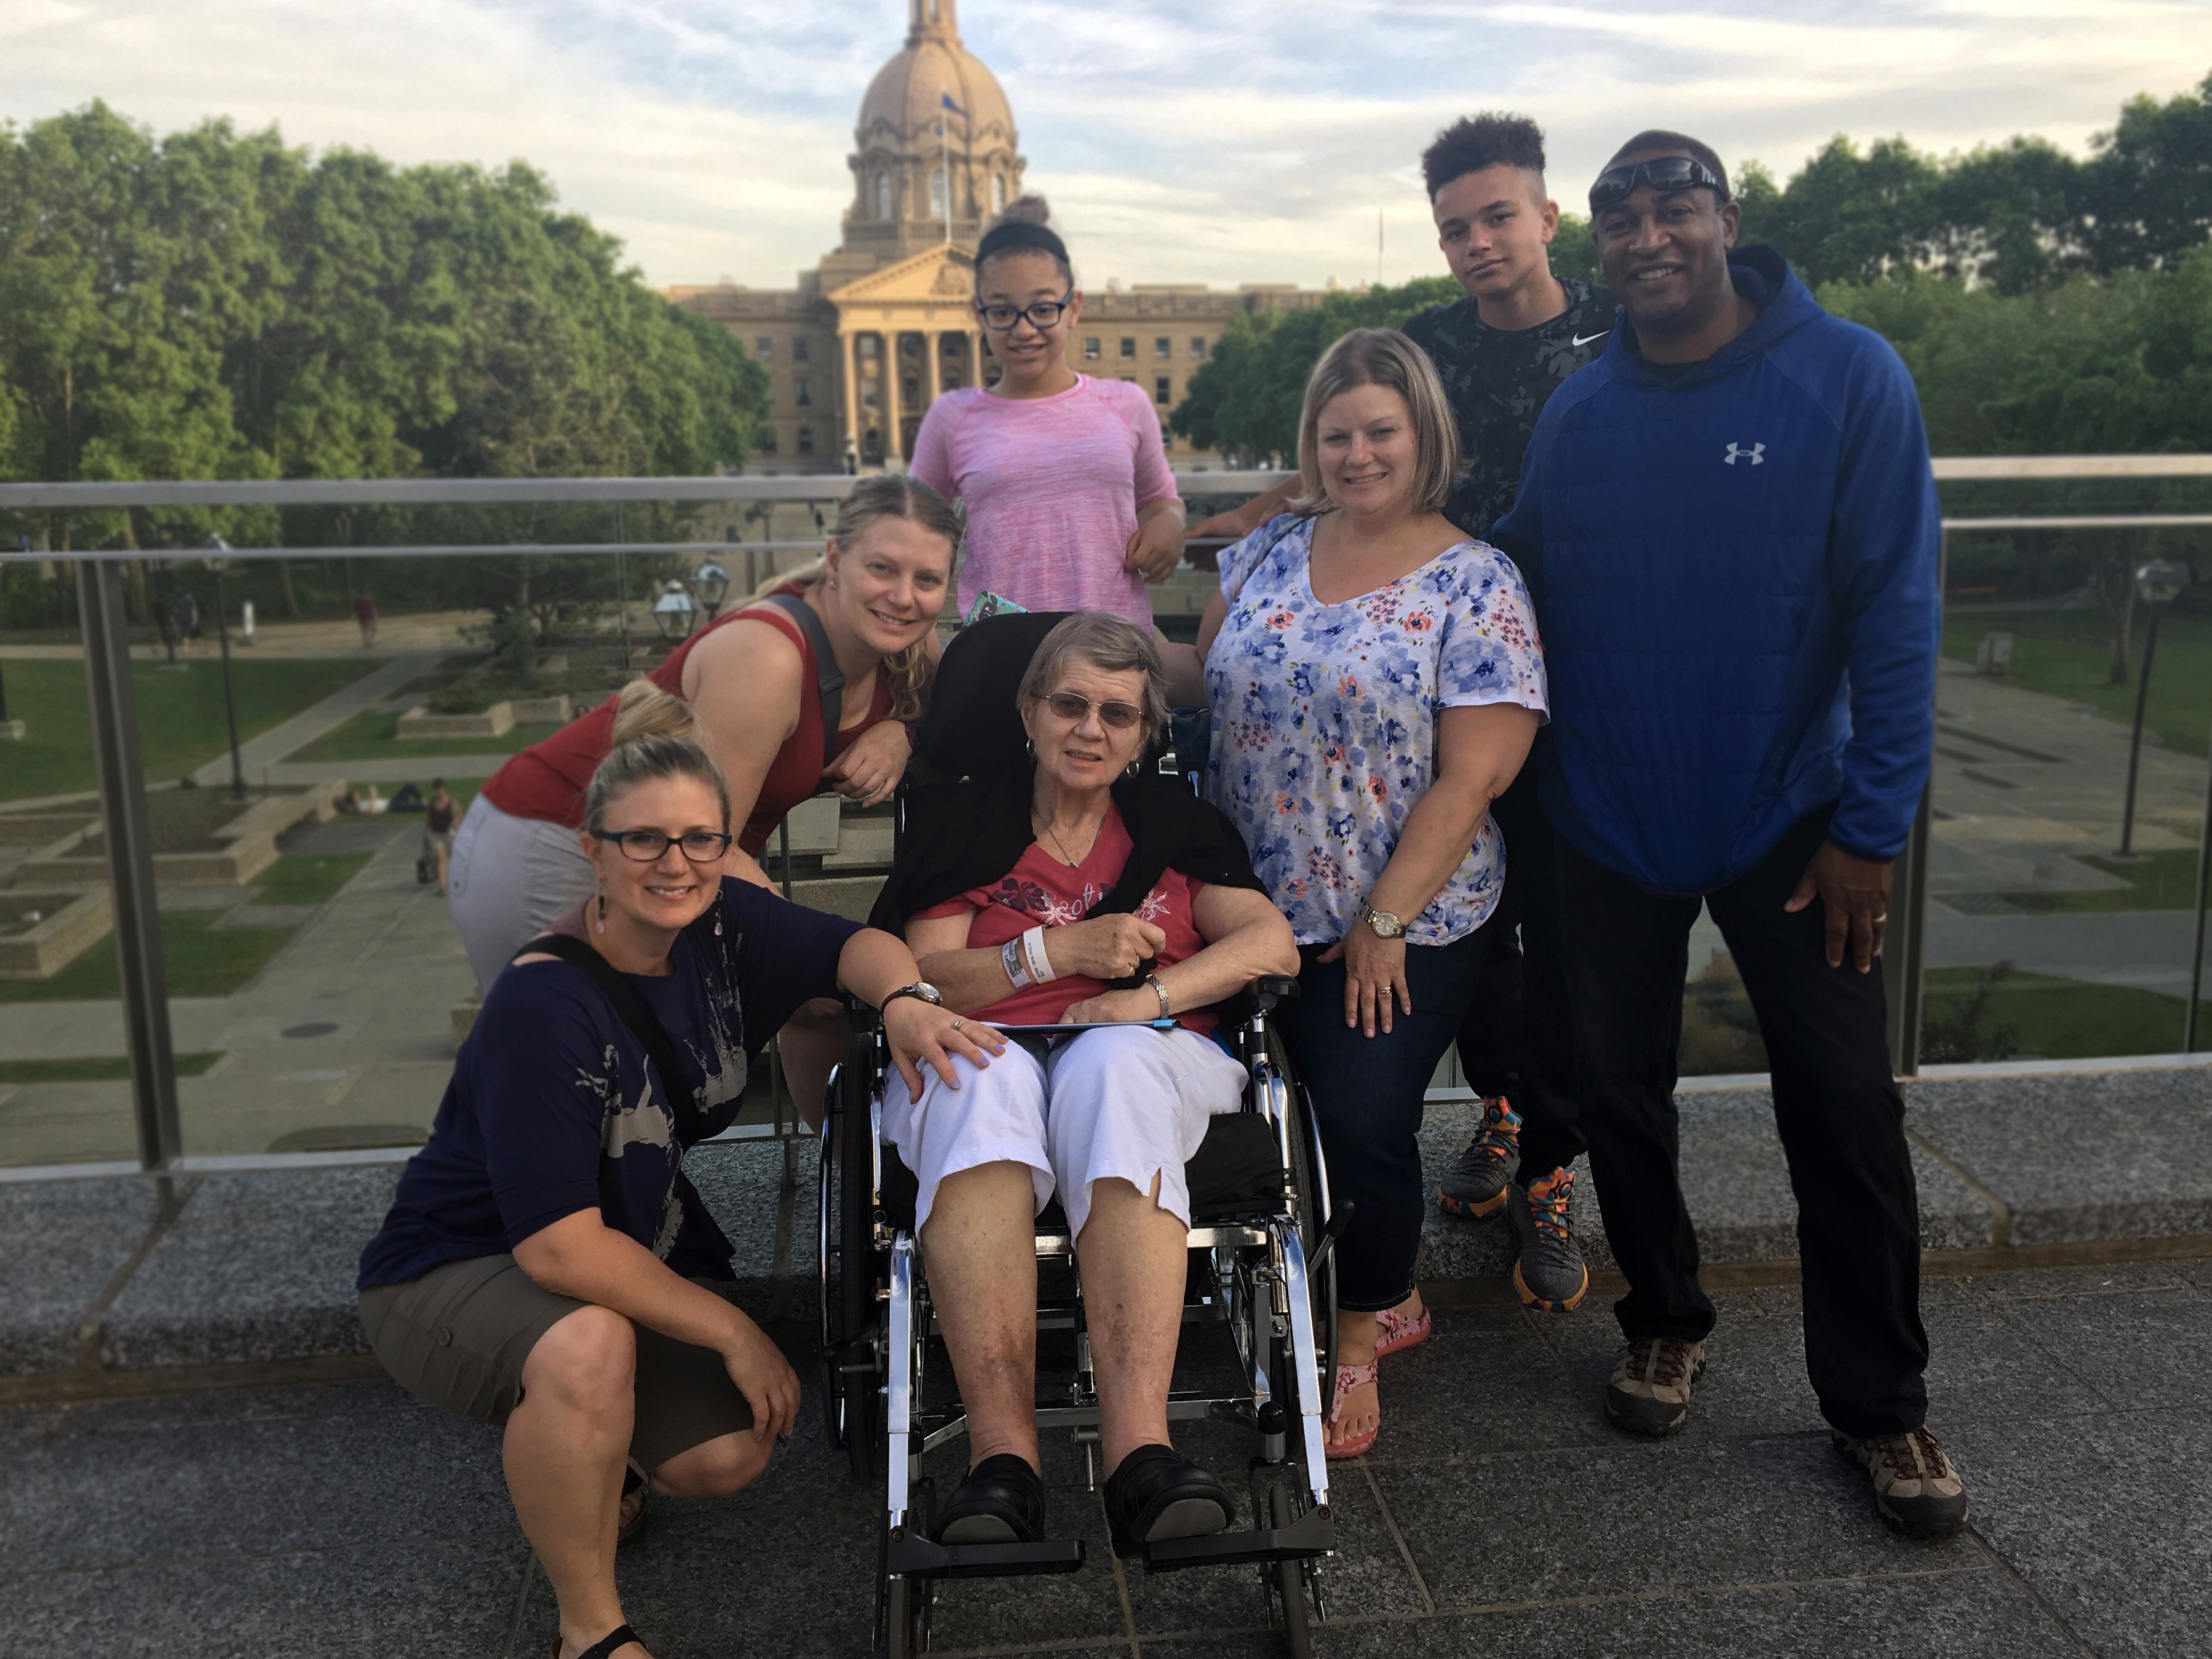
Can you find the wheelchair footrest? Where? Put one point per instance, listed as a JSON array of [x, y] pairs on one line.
[[921, 1558], [1312, 1533]]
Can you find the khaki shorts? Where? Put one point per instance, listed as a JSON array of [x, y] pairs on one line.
[[456, 1338]]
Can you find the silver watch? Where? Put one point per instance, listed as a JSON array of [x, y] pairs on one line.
[[1383, 923]]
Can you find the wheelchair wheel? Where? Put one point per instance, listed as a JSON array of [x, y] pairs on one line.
[[1286, 1581], [1307, 1169], [851, 1367], [903, 1605]]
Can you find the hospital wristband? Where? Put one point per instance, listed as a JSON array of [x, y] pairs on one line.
[[1018, 970], [1040, 969]]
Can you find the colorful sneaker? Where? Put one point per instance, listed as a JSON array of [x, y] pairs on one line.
[[1476, 1184], [1915, 1487], [1649, 1393], [1550, 1274]]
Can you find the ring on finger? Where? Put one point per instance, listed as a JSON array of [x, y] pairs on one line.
[[957, 1023]]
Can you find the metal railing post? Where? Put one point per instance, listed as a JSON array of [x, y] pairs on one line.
[[1903, 948], [128, 832]]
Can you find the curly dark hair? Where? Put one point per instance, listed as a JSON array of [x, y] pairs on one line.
[[1475, 142]]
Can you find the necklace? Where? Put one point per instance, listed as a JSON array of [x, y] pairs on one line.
[[1071, 861]]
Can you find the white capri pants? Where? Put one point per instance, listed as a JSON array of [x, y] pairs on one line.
[[1129, 1102], [508, 880]]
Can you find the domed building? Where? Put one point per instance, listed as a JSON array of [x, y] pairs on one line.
[[870, 334]]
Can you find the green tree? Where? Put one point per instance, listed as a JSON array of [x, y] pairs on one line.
[[2150, 197]]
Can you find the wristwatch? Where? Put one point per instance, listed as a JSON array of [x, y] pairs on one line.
[[1383, 923], [920, 989]]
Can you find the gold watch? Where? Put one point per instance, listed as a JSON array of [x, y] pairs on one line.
[[1383, 923]]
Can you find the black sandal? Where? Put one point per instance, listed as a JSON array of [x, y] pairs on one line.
[[1001, 1502], [1157, 1493], [606, 1646], [634, 1482]]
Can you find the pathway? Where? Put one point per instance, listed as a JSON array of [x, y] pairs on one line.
[[260, 754]]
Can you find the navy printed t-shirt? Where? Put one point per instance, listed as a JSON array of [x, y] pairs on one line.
[[554, 1107]]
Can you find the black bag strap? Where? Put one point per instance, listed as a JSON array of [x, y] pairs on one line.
[[828, 678], [632, 1010]]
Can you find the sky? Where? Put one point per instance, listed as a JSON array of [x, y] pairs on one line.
[[1239, 141]]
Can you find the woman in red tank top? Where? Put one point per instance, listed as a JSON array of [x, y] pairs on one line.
[[751, 680]]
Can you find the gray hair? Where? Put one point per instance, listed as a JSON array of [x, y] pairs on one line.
[[1112, 644], [651, 740]]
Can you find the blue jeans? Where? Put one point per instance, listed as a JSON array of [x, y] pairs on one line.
[[1367, 1096]]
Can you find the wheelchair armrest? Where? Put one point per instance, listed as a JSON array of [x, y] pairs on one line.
[[1259, 997], [864, 1017]]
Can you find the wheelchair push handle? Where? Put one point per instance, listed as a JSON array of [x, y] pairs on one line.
[[1331, 1231]]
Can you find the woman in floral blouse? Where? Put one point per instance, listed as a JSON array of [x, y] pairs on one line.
[[1375, 682]]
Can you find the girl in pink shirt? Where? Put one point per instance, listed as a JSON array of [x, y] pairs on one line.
[[1071, 504]]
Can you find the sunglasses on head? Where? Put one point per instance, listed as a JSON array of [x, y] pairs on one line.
[[1665, 174], [1070, 707]]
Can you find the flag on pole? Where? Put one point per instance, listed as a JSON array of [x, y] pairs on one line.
[[945, 100]]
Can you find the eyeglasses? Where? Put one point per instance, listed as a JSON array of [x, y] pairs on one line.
[[1068, 705], [1665, 174], [648, 846], [1041, 315]]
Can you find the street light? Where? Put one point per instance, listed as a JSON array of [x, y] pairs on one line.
[[710, 582], [672, 612], [216, 564], [2158, 584]]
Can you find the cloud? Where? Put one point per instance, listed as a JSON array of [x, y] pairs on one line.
[[1249, 140]]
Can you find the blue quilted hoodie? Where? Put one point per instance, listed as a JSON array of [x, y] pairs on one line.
[[1734, 572]]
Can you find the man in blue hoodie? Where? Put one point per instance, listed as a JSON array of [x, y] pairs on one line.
[[1729, 524]]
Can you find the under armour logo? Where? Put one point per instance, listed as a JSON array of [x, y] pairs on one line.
[[1756, 454]]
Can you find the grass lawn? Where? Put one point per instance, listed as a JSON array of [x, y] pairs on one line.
[[180, 716], [371, 736], [2068, 654], [2156, 881], [308, 879], [93, 1068], [2030, 1016], [202, 962]]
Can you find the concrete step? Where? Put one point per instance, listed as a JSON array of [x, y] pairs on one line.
[[256, 1268]]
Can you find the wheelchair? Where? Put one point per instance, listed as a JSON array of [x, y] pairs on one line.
[[1260, 1295]]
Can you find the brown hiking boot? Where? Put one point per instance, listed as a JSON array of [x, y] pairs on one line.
[[1915, 1487], [1649, 1393]]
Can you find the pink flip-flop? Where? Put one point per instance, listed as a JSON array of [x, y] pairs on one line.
[[1347, 1378], [1395, 1331]]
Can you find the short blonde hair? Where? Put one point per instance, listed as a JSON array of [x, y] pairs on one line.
[[1387, 358]]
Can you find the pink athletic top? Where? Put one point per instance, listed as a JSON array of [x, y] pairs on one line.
[[1053, 487]]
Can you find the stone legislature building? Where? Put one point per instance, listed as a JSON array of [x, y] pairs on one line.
[[858, 350]]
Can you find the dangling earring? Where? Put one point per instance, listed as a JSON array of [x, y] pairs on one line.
[[602, 925], [833, 582], [718, 916]]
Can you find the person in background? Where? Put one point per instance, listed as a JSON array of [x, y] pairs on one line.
[[438, 815], [1375, 682], [364, 615], [546, 1265], [1501, 350], [1735, 528], [188, 618], [1071, 504], [750, 681]]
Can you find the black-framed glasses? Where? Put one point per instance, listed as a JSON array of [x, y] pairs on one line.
[[1070, 707], [1665, 174], [649, 846], [1043, 314]]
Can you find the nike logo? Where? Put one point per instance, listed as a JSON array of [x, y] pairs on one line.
[[1584, 339]]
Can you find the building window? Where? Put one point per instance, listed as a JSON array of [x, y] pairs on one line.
[[1091, 345], [1197, 348], [767, 446], [1163, 389], [871, 391], [806, 441], [937, 198], [1128, 349], [799, 353], [764, 348], [998, 192], [802, 392], [867, 345], [883, 196], [1163, 347]]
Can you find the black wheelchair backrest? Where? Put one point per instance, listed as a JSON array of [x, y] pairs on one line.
[[973, 727]]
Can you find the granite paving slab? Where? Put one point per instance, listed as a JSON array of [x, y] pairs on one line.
[[2150, 1350], [2082, 1156], [63, 1241], [257, 1267]]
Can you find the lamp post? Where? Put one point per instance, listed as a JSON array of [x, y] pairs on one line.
[[711, 583], [218, 561], [672, 612], [2158, 584]]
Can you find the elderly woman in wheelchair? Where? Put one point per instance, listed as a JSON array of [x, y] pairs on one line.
[[1075, 891]]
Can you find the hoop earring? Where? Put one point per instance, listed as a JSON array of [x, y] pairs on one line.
[[601, 924]]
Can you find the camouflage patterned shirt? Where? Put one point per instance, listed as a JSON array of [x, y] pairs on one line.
[[1498, 380]]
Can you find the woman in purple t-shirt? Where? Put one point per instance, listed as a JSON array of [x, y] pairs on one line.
[[1071, 504]]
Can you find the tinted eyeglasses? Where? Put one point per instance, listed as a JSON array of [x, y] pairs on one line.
[[1665, 174], [1069, 706], [647, 846], [1042, 314]]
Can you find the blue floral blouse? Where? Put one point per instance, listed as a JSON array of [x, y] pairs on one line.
[[1325, 720]]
